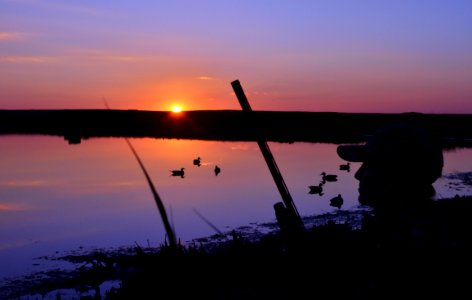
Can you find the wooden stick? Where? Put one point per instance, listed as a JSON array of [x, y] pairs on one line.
[[269, 158]]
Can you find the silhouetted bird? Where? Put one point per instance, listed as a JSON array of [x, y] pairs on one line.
[[217, 170], [316, 189], [197, 161], [336, 201], [345, 167], [178, 172], [329, 177]]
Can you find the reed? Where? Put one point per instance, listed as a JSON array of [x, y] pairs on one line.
[[208, 223], [157, 199], [160, 205]]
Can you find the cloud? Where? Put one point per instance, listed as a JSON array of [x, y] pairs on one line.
[[206, 78], [6, 207], [81, 54], [104, 55], [5, 35], [23, 183], [10, 36], [123, 58], [59, 6], [24, 59]]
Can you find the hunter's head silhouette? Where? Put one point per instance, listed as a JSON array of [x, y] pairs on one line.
[[399, 165]]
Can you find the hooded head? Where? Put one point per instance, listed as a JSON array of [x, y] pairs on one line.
[[399, 161]]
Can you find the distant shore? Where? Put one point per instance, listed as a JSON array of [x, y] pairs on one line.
[[454, 130]]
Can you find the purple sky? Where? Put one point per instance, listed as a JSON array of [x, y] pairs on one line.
[[333, 55]]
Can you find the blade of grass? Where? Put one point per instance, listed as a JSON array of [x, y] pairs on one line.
[[157, 198], [208, 222], [160, 205]]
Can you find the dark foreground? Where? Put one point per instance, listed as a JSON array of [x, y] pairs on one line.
[[335, 259], [228, 125]]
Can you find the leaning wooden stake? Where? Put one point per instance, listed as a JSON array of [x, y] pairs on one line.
[[291, 217]]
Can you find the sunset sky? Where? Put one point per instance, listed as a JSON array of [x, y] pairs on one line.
[[313, 55]]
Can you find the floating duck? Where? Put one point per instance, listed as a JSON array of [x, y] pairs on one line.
[[336, 201], [329, 177], [217, 170], [197, 162], [178, 172], [316, 189], [345, 167]]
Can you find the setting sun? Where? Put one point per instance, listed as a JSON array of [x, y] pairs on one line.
[[176, 108]]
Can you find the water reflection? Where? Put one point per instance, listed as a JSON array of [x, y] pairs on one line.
[[56, 197]]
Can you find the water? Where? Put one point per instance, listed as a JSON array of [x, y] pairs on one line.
[[56, 197]]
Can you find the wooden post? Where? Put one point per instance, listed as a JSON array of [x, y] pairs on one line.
[[274, 170]]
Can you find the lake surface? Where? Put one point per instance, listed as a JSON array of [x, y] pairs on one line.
[[58, 197]]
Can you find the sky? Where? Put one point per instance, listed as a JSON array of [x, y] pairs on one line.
[[332, 55]]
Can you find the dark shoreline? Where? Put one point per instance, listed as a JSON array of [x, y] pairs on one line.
[[228, 125]]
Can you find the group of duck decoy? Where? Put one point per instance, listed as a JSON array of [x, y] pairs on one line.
[[318, 189], [196, 162], [314, 189]]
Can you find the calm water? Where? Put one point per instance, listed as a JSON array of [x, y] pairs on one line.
[[59, 197]]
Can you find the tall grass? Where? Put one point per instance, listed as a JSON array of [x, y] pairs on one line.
[[157, 199], [160, 205]]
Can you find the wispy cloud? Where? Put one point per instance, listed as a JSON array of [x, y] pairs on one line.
[[6, 207], [5, 36], [206, 78], [82, 54], [24, 59], [123, 58], [24, 183], [64, 7], [10, 36], [111, 56]]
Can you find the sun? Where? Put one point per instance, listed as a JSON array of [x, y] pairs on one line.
[[176, 109]]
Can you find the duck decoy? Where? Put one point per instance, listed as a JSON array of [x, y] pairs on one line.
[[180, 172], [336, 201], [345, 167], [316, 189], [197, 161], [217, 170], [329, 177]]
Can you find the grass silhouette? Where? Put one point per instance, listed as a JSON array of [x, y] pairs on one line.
[[160, 205]]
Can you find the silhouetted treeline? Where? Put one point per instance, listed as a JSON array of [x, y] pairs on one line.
[[455, 130]]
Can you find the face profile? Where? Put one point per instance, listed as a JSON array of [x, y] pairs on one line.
[[399, 165]]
